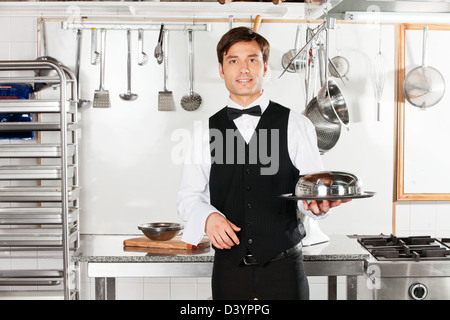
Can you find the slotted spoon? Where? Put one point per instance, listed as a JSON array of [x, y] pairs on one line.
[[191, 101]]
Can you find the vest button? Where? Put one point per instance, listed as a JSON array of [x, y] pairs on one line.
[[249, 205], [250, 241], [248, 188]]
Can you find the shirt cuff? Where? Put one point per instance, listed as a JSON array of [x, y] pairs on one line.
[[194, 229], [311, 214]]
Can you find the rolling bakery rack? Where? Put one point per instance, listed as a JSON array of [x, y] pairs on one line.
[[39, 205]]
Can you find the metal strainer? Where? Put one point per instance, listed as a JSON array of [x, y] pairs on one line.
[[424, 86], [328, 133]]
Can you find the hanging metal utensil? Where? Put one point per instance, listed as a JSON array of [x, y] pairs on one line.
[[95, 55], [101, 96], [305, 47], [339, 65], [424, 86], [308, 58], [331, 102], [44, 72], [191, 101], [82, 103], [159, 46], [143, 57], [298, 63], [328, 133], [321, 59], [165, 97], [378, 76], [128, 96]]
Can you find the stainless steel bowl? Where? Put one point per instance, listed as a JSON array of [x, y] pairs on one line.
[[332, 104], [160, 231], [328, 183], [328, 133]]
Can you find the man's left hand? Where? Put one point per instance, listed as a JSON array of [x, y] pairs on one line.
[[319, 207]]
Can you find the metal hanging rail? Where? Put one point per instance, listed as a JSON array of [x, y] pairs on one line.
[[120, 25]]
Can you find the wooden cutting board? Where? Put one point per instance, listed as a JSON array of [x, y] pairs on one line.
[[174, 243]]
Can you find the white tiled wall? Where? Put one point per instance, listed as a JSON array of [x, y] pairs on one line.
[[423, 218]]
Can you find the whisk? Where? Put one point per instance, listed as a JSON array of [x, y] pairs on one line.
[[378, 76]]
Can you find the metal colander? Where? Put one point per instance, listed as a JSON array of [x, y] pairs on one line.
[[328, 133]]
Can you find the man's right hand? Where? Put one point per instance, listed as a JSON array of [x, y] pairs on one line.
[[221, 231]]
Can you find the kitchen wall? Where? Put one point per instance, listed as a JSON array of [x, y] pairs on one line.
[[130, 173]]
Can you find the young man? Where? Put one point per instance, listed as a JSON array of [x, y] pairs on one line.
[[256, 151]]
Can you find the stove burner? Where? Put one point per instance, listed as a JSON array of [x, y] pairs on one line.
[[415, 248]]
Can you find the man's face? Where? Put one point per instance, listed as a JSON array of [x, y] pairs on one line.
[[243, 70]]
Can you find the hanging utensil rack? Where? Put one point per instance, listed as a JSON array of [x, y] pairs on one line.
[[156, 26], [41, 221]]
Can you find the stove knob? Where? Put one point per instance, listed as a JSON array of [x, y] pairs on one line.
[[418, 291]]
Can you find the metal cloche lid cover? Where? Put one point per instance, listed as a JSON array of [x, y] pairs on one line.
[[328, 183]]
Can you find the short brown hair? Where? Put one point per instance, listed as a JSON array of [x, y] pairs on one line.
[[241, 34]]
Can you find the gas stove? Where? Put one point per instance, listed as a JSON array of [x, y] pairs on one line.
[[415, 267], [417, 248]]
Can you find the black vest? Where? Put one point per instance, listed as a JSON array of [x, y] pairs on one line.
[[246, 180]]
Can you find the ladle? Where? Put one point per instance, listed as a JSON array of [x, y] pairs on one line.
[[128, 96]]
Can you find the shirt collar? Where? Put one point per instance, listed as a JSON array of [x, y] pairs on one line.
[[262, 101]]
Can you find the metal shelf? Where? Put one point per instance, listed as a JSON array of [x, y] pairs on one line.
[[34, 150], [35, 126], [32, 295], [36, 172], [34, 238], [43, 217], [34, 106], [36, 194], [31, 277], [36, 216]]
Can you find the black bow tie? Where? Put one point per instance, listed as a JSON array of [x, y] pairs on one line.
[[234, 113]]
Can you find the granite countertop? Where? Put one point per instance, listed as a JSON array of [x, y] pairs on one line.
[[109, 248]]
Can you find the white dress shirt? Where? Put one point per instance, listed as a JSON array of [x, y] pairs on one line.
[[193, 199]]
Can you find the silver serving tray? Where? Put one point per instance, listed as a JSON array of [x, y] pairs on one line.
[[290, 196]]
